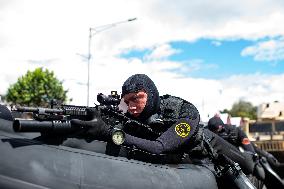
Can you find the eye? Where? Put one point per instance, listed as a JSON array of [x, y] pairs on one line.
[[126, 102]]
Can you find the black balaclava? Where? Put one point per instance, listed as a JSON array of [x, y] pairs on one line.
[[139, 82], [214, 122]]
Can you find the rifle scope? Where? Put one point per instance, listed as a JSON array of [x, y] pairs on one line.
[[113, 99]]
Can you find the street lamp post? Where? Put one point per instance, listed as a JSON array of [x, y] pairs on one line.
[[92, 32]]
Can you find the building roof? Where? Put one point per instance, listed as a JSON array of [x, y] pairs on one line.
[[274, 110]]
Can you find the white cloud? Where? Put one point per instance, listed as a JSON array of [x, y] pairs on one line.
[[270, 50], [194, 65], [51, 33], [162, 52]]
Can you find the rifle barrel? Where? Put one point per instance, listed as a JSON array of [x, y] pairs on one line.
[[42, 126], [38, 110]]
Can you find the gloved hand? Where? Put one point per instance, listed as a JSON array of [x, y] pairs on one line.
[[92, 113], [97, 127], [258, 171], [272, 160]]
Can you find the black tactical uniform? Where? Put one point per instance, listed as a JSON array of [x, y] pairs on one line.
[[230, 133], [177, 122], [238, 138], [180, 127]]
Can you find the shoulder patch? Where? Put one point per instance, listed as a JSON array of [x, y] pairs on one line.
[[245, 141], [182, 129]]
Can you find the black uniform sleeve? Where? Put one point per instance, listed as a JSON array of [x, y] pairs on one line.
[[244, 140], [177, 135]]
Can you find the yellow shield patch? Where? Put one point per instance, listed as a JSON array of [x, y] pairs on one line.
[[182, 129]]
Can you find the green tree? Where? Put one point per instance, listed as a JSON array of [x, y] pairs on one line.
[[36, 88], [243, 109]]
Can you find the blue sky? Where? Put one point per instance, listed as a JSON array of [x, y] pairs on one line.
[[216, 59]]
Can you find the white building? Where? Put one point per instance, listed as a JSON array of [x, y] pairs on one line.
[[274, 110]]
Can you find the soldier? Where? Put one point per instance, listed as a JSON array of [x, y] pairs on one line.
[[238, 138], [176, 119], [230, 133]]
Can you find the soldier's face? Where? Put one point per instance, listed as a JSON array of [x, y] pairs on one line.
[[219, 129], [136, 102]]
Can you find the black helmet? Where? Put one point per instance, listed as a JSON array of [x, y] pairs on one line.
[[214, 123], [139, 82]]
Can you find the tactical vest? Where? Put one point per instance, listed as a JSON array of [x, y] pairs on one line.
[[230, 134], [173, 108]]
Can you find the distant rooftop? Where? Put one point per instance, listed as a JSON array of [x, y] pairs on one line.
[[274, 110]]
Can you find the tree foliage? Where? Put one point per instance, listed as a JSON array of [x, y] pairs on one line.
[[36, 88], [242, 109]]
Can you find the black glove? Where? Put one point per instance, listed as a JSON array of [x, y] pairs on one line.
[[258, 171], [97, 127], [92, 113], [272, 160]]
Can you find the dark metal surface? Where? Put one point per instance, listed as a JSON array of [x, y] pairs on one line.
[[5, 113], [25, 163]]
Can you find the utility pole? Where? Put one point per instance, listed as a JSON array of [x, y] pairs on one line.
[[92, 32]]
